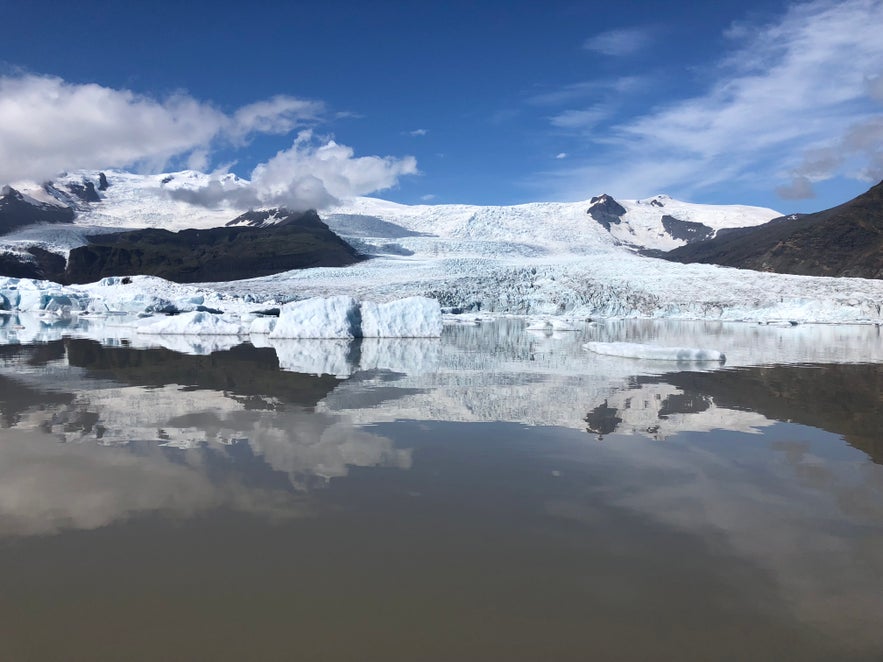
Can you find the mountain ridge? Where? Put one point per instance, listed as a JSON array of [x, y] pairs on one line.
[[843, 241]]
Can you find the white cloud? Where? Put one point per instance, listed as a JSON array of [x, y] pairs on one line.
[[279, 115], [796, 96], [316, 176], [587, 89], [311, 174], [418, 132], [579, 119], [429, 197], [617, 43], [561, 155], [48, 125]]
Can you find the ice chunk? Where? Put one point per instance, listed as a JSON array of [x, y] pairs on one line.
[[413, 317], [654, 352], [550, 325], [335, 317], [197, 323], [29, 295], [262, 325]]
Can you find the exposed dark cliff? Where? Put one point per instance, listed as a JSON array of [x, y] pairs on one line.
[[217, 254], [843, 241]]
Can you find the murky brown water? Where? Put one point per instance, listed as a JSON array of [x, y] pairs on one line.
[[155, 505]]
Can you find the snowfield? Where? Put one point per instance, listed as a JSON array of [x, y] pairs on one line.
[[549, 260]]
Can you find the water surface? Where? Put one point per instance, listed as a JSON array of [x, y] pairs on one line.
[[493, 495]]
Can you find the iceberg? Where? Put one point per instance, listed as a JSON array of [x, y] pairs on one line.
[[262, 325], [193, 324], [344, 317], [334, 317], [550, 325], [412, 317], [654, 352], [26, 295]]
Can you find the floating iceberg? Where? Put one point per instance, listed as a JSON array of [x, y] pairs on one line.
[[413, 317], [33, 296], [344, 317], [193, 324], [654, 352], [335, 317], [550, 325]]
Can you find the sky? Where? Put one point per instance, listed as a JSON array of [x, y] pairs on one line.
[[770, 103]]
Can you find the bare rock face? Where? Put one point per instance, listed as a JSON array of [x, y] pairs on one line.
[[85, 191], [298, 240], [17, 211], [843, 241], [606, 210], [689, 231]]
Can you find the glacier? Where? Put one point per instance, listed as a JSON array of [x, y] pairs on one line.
[[545, 260]]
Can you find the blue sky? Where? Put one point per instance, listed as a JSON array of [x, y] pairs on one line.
[[770, 103]]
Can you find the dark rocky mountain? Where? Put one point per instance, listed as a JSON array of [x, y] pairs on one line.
[[689, 231], [275, 217], [257, 243], [606, 210], [843, 241], [17, 211], [85, 191], [299, 241]]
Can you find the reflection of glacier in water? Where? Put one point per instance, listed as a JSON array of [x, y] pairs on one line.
[[468, 468], [496, 371], [306, 408]]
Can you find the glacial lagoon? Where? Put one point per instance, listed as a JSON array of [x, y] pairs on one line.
[[495, 494]]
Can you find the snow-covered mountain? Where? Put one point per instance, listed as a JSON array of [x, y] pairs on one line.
[[118, 200], [574, 259]]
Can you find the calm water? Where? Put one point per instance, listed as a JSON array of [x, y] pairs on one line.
[[493, 495]]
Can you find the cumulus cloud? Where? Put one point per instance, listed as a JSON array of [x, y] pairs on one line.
[[795, 98], [279, 115], [312, 173], [561, 155], [617, 43], [418, 132], [48, 125]]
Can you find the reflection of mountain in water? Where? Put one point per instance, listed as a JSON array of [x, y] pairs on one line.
[[79, 391], [243, 372], [843, 399]]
